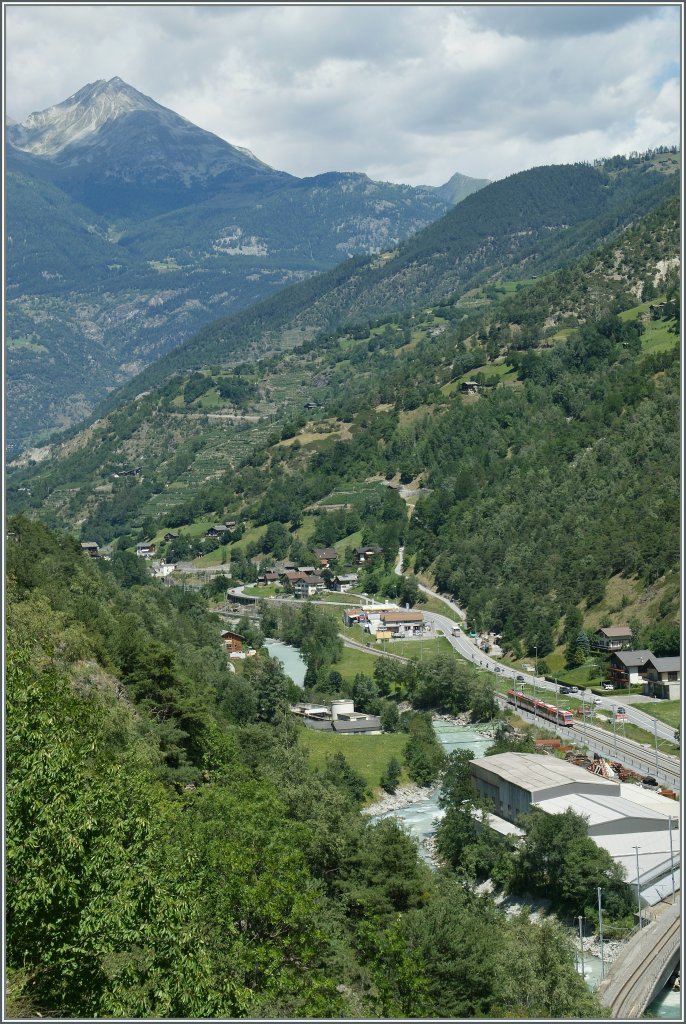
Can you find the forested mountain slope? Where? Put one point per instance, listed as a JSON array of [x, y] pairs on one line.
[[528, 223], [560, 475], [158, 228]]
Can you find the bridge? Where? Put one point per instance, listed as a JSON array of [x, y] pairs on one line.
[[644, 967]]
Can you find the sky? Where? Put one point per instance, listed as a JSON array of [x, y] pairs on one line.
[[406, 93]]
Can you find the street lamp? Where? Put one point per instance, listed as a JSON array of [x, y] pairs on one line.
[[581, 943], [600, 923]]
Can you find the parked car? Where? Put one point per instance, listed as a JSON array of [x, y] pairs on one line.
[[608, 686], [573, 689], [565, 689], [649, 781]]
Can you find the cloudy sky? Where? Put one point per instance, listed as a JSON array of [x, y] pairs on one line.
[[407, 93]]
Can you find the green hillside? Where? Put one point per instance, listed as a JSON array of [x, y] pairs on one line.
[[578, 403]]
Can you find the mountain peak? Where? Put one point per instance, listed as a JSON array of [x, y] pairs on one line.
[[47, 132]]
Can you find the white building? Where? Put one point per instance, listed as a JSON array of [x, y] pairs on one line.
[[620, 816]]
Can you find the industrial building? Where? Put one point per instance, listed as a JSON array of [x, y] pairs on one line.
[[623, 819], [339, 716]]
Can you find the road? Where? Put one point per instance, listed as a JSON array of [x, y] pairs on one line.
[[469, 649]]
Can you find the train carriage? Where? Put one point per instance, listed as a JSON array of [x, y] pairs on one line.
[[539, 708]]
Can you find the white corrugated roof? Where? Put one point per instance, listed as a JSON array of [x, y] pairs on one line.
[[538, 771], [653, 851], [599, 808], [654, 801]]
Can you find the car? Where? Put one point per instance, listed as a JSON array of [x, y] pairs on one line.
[[608, 686], [596, 700], [649, 781], [497, 668], [573, 689], [565, 689], [519, 679]]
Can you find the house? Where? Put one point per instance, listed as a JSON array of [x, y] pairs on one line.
[[230, 524], [308, 585], [613, 638], [232, 641], [308, 570], [266, 578], [218, 530], [90, 547], [289, 578], [366, 553], [326, 556], [470, 387], [354, 616], [402, 623], [663, 678], [343, 583], [146, 550], [162, 569], [627, 668], [171, 535]]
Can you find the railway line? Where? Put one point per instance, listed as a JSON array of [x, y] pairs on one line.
[[634, 755], [643, 968]]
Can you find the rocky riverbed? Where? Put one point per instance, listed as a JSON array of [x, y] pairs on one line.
[[404, 796]]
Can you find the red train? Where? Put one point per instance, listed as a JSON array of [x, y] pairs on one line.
[[540, 708]]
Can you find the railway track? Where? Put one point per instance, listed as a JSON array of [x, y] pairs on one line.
[[635, 755], [643, 967], [629, 753]]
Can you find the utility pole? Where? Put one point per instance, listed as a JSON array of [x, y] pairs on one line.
[[614, 725], [671, 855], [638, 890], [536, 654], [600, 921]]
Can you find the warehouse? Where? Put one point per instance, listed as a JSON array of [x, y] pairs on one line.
[[639, 829]]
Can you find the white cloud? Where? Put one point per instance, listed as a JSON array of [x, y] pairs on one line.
[[405, 93]]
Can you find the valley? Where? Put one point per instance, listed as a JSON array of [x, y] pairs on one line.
[[489, 410]]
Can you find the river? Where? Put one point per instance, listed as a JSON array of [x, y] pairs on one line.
[[290, 657]]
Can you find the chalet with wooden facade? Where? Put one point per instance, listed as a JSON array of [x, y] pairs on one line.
[[613, 638], [366, 553], [627, 668], [233, 641], [90, 548], [326, 556]]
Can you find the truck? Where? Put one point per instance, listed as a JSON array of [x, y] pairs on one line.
[[455, 631]]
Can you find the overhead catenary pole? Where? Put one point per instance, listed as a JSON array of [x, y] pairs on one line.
[[671, 856], [600, 924], [614, 725], [656, 751], [638, 889]]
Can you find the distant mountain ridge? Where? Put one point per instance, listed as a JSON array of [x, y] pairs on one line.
[[129, 228]]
